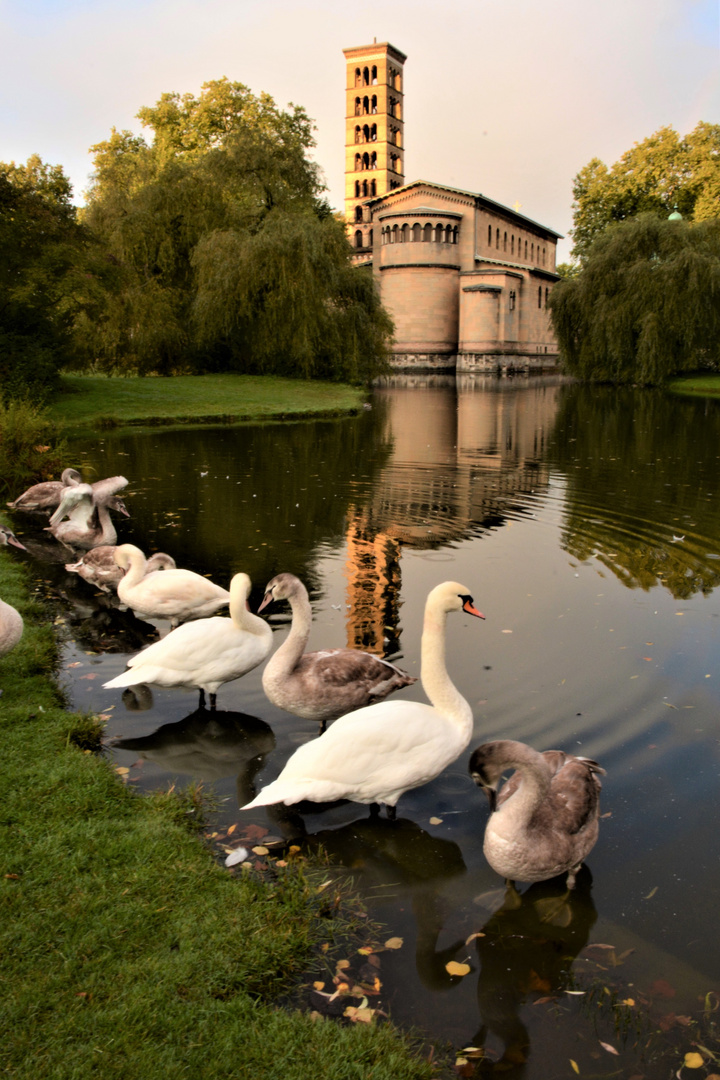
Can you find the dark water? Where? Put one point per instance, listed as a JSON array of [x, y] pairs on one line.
[[586, 524]]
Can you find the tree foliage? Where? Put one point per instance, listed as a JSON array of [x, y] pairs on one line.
[[42, 276], [658, 174], [646, 304], [227, 257]]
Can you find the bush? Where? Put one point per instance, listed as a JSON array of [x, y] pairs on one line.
[[30, 448]]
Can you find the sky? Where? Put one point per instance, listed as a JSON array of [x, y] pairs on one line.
[[509, 99]]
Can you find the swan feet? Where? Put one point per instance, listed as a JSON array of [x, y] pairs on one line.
[[391, 811]]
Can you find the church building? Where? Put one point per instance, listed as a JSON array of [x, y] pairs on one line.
[[466, 279]]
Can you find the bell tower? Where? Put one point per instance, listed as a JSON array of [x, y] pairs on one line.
[[374, 134]]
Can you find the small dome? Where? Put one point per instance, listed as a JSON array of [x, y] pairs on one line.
[[676, 215]]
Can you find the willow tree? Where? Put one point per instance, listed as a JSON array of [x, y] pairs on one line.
[[225, 183], [646, 304]]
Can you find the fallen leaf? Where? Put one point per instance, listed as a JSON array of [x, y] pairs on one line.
[[473, 936], [662, 988], [260, 850], [394, 943], [693, 1060], [88, 676], [318, 985], [576, 993], [610, 1049], [628, 1001], [436, 821], [651, 893], [342, 965], [453, 968], [575, 1066], [281, 862], [365, 950], [231, 829], [122, 770]]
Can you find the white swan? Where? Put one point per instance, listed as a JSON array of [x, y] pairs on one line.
[[375, 754], [11, 624], [87, 507], [205, 654], [98, 566], [166, 594], [46, 495], [321, 685], [545, 819]]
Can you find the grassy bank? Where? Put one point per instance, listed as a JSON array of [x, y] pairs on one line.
[[96, 400], [704, 385], [126, 950]]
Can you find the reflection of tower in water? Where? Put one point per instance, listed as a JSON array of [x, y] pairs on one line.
[[465, 455], [373, 590]]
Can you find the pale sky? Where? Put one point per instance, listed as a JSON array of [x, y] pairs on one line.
[[509, 99]]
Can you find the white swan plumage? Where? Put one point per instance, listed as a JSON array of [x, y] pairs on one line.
[[165, 594], [205, 654], [98, 566], [86, 507], [375, 754], [544, 821], [327, 684], [11, 623]]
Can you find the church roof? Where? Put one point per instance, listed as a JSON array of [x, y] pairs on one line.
[[480, 200]]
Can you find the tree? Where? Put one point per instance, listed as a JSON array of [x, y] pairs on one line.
[[45, 276], [660, 174], [228, 256], [646, 304]]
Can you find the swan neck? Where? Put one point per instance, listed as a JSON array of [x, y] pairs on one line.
[[533, 790], [135, 571], [287, 656], [242, 618], [437, 684]]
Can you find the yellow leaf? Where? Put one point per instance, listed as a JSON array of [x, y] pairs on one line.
[[575, 1066], [628, 1001], [365, 951], [453, 968], [122, 770], [394, 943], [473, 936], [318, 985], [693, 1060], [342, 964], [436, 821], [232, 829], [259, 850]]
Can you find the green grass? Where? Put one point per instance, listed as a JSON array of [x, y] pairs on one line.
[[705, 385], [98, 400], [125, 950]]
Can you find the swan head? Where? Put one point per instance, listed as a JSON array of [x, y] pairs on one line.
[[452, 596], [70, 478], [489, 761], [114, 503], [282, 587], [240, 586], [7, 536], [126, 554]]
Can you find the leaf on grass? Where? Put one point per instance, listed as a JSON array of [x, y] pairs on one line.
[[318, 985], [575, 1066], [365, 950], [260, 850], [324, 885], [281, 862], [610, 1049], [394, 943], [362, 1015], [453, 968], [693, 1060], [342, 965], [628, 1001]]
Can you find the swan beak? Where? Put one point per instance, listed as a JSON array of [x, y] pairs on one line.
[[471, 609], [489, 791], [267, 599], [12, 539]]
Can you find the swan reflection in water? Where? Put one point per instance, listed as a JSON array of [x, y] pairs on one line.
[[526, 951], [398, 852], [205, 745]]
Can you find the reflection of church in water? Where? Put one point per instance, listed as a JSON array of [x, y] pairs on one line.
[[463, 456]]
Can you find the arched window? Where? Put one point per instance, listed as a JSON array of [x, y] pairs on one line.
[[366, 133], [547, 294], [358, 106], [373, 75], [391, 106], [456, 234], [358, 238], [373, 160], [370, 238], [404, 234], [512, 244], [358, 162], [393, 162], [358, 213], [373, 187], [489, 235], [373, 104], [357, 189], [358, 77], [439, 234], [417, 233], [532, 253], [526, 250], [391, 76], [366, 106], [505, 242], [539, 295], [366, 161], [427, 234], [364, 188], [448, 234], [497, 239], [511, 299], [366, 77], [358, 133], [396, 235], [543, 256], [373, 133]]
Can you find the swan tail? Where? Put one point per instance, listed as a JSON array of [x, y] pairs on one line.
[[289, 792], [133, 677]]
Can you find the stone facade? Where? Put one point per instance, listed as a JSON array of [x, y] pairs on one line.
[[466, 279]]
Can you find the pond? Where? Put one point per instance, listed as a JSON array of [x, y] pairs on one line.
[[586, 524]]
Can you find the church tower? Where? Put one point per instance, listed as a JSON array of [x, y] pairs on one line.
[[374, 134]]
